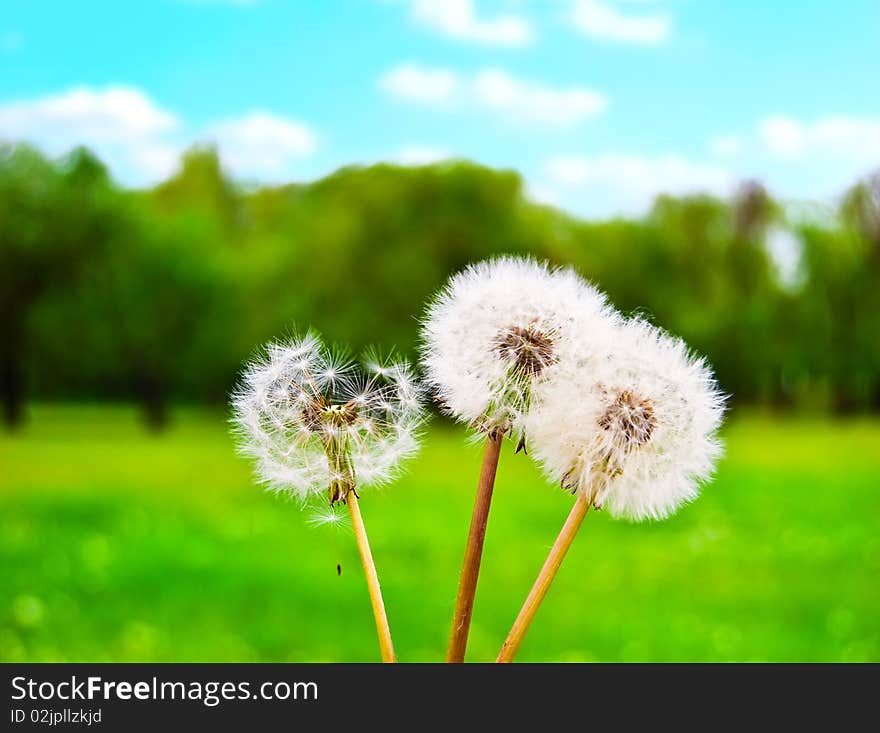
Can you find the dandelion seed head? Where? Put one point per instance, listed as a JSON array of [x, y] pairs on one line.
[[500, 327], [637, 432], [316, 425], [525, 348], [629, 419]]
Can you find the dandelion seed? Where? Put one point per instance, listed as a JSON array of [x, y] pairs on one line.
[[327, 517]]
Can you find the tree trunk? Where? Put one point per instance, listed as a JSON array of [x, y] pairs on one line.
[[845, 403], [153, 400], [11, 389]]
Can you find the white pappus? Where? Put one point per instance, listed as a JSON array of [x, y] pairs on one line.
[[316, 424], [637, 431], [500, 327]]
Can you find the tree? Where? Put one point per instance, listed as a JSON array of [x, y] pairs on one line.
[[152, 309], [52, 220]]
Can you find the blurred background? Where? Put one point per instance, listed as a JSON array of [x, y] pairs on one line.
[[181, 182]]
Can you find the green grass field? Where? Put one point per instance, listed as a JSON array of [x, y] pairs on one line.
[[117, 545]]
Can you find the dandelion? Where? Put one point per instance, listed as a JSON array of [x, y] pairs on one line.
[[316, 426], [635, 435], [491, 337]]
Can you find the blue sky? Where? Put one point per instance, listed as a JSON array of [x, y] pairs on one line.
[[599, 103]]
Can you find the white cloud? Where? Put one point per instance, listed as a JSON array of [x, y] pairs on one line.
[[147, 162], [666, 173], [626, 183], [122, 124], [808, 159], [533, 102], [83, 114], [727, 146], [420, 155], [458, 19], [568, 170], [845, 136], [419, 84], [141, 142], [261, 144], [539, 193], [782, 135], [602, 20], [497, 91]]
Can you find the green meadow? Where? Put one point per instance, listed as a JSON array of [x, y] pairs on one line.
[[117, 544]]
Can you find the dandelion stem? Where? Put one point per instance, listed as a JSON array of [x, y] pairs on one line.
[[470, 571], [360, 532], [545, 578]]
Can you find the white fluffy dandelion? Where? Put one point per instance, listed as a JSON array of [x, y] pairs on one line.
[[315, 424], [636, 433], [501, 327], [491, 337]]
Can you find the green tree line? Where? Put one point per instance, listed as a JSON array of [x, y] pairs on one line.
[[159, 295]]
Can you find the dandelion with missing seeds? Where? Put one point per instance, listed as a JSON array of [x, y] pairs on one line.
[[634, 434], [491, 338], [318, 426]]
